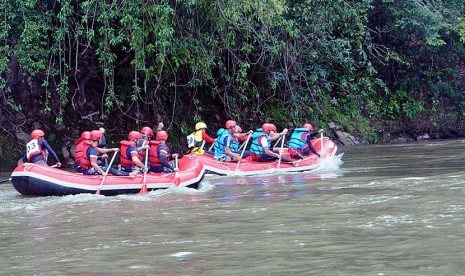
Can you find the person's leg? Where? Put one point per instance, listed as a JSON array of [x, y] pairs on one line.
[[265, 158]]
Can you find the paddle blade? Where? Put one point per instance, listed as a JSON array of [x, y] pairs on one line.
[[97, 192], [143, 190], [177, 181]]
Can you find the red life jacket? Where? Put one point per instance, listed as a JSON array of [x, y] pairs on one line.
[[85, 161], [126, 161], [79, 150], [154, 159]]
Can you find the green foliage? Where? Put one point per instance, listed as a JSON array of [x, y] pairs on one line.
[[288, 61]]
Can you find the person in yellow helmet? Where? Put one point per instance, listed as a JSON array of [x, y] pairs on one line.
[[196, 141]]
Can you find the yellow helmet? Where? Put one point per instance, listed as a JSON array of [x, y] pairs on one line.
[[200, 125]]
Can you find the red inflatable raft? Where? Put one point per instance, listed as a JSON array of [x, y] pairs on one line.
[[39, 180], [248, 167]]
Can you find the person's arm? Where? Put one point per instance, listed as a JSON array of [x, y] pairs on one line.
[[103, 150], [313, 134], [310, 145], [243, 136], [276, 136], [207, 138], [93, 154], [136, 160], [271, 153], [227, 150], [44, 144], [264, 143], [163, 156]]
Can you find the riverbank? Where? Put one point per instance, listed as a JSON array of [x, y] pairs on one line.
[[11, 150]]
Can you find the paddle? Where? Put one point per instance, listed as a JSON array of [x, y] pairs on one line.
[[243, 150], [210, 148], [177, 180], [5, 180], [106, 173], [281, 151], [143, 190], [321, 141]]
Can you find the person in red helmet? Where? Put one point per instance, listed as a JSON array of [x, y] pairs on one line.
[[261, 145], [130, 154], [89, 161], [222, 147], [146, 134], [160, 155], [300, 143], [38, 149]]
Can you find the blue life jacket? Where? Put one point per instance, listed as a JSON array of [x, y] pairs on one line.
[[234, 145], [298, 139], [220, 142], [256, 147]]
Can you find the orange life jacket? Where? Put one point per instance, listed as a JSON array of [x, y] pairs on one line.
[[79, 150], [126, 161], [85, 161], [154, 159]]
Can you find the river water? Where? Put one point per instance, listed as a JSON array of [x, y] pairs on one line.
[[387, 210]]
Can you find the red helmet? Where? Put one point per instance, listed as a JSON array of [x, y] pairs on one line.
[[308, 126], [162, 135], [266, 127], [238, 129], [134, 135], [37, 133], [147, 131], [95, 135], [230, 124], [85, 135]]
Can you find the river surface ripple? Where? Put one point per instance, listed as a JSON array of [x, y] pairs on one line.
[[387, 210]]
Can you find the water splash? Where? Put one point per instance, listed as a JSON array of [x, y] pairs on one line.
[[330, 164]]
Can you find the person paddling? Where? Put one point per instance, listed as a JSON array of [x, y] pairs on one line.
[[160, 155], [261, 145], [89, 161], [130, 159], [38, 149], [222, 147], [300, 143], [238, 138]]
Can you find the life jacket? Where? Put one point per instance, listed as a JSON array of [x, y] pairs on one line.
[[33, 149], [256, 148], [198, 139], [234, 145], [298, 138], [79, 150], [141, 143], [219, 144], [85, 160], [125, 160], [195, 142], [154, 158], [298, 141]]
